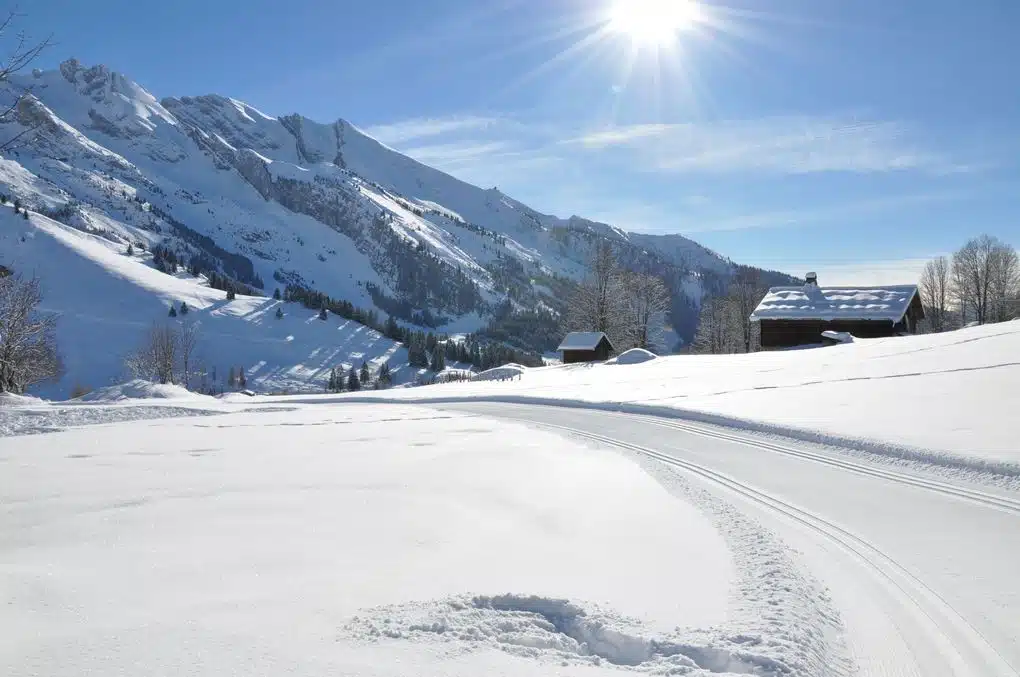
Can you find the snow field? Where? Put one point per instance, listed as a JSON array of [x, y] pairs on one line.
[[945, 398], [252, 539]]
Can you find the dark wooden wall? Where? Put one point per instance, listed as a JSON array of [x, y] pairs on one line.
[[601, 352], [791, 333]]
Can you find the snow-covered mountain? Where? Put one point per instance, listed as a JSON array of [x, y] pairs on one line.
[[242, 198]]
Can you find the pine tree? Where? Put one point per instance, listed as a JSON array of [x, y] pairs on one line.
[[25, 214], [242, 380], [231, 379], [276, 294], [231, 295], [184, 307], [130, 250], [384, 379], [365, 375], [438, 358], [173, 311], [353, 383], [341, 379], [331, 383], [279, 312]]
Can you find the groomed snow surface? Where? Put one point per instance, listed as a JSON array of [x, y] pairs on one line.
[[362, 539], [951, 398]]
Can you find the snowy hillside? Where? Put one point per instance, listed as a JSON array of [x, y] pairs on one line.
[[108, 300], [259, 202]]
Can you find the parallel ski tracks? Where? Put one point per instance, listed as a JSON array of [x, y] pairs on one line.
[[987, 499], [965, 652]]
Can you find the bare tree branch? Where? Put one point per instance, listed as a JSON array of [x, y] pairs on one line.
[[599, 303], [156, 359], [985, 274], [936, 286], [20, 54], [647, 302], [187, 342], [28, 345]]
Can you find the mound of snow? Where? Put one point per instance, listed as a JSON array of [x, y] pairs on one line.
[[510, 370], [838, 336], [634, 356], [140, 389], [12, 400]]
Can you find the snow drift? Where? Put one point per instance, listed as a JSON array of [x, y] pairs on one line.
[[633, 356], [141, 389]]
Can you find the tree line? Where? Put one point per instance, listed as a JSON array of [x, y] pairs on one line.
[[979, 283], [629, 308], [724, 321]]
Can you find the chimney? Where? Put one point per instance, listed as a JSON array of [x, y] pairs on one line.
[[811, 280]]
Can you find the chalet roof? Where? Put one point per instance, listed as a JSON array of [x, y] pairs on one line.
[[583, 340], [810, 302]]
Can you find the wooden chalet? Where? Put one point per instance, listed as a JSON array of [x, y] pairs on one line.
[[797, 316], [585, 346]]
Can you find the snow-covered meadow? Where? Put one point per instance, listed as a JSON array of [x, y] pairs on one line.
[[363, 539], [949, 397]]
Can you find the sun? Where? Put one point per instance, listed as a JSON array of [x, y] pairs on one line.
[[653, 23]]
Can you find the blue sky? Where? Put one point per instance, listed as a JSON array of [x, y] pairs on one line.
[[855, 138]]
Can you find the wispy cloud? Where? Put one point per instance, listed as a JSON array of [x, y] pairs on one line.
[[445, 154], [820, 215], [771, 145], [863, 272], [422, 128], [602, 173]]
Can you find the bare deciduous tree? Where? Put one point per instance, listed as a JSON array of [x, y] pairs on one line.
[[745, 293], [716, 330], [28, 345], [984, 274], [599, 303], [936, 288], [647, 302], [21, 52], [187, 342], [156, 359], [1005, 284]]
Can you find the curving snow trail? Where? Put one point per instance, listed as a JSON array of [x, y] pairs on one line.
[[923, 571]]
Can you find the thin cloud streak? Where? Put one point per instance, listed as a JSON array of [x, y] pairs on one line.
[[863, 272], [773, 145], [421, 128], [443, 154], [795, 217]]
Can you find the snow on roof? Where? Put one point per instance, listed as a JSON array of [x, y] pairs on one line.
[[809, 302], [582, 340]]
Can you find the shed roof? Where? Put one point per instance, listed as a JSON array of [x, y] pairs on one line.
[[808, 302], [583, 340]]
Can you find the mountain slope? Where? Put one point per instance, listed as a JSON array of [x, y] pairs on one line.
[[254, 202], [107, 301]]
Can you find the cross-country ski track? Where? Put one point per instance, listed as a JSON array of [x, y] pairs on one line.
[[923, 571]]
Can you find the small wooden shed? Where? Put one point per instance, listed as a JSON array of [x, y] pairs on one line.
[[585, 346], [797, 316]]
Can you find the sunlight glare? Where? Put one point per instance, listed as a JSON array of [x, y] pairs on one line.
[[653, 23]]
